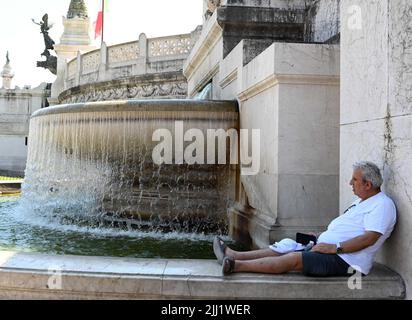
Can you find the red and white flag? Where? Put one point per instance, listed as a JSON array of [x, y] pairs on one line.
[[98, 29]]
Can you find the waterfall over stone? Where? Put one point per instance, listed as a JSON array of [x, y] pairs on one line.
[[92, 164]]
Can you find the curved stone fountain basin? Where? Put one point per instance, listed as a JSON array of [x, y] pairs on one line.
[[90, 121], [100, 153]]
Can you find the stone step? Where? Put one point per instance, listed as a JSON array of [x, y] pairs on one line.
[[203, 195], [177, 175], [27, 276], [197, 215]]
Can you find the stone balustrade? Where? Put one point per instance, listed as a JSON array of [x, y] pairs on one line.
[[145, 56]]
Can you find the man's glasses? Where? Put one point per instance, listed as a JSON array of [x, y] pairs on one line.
[[354, 205]]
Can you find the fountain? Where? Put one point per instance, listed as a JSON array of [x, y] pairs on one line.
[[91, 164]]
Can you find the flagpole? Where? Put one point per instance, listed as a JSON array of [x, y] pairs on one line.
[[102, 21]]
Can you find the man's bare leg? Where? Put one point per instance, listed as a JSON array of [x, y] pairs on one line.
[[275, 264], [250, 255]]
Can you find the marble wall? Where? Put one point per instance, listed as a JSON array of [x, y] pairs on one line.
[[376, 104], [16, 106], [290, 91], [323, 21], [375, 111]]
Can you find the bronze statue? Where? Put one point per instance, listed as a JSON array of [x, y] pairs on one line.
[[44, 27], [51, 61], [7, 58]]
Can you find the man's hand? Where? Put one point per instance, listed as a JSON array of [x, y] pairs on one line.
[[368, 239], [324, 248]]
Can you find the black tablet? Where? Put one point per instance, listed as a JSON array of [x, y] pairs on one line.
[[305, 238]]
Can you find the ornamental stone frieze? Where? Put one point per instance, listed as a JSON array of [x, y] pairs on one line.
[[170, 85], [122, 72], [90, 78]]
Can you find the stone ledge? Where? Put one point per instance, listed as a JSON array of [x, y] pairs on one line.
[[28, 276]]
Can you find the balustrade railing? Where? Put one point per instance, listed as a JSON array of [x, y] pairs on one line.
[[128, 59]]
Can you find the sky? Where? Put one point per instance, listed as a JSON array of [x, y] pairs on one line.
[[124, 21]]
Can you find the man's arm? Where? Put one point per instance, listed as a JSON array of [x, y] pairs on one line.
[[368, 239]]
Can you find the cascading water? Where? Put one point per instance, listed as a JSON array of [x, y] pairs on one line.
[[91, 164]]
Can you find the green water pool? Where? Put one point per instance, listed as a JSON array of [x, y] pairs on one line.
[[22, 232]]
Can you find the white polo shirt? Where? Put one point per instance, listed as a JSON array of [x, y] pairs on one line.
[[377, 213]]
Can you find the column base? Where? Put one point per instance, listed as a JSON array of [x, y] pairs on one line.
[[251, 231]]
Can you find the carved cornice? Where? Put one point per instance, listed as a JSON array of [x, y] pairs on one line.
[[203, 47], [228, 79], [157, 86], [274, 80]]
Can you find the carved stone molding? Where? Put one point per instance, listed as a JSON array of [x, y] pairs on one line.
[[122, 72], [89, 78], [167, 86]]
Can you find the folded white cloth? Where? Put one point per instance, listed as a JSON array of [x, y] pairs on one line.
[[287, 245]]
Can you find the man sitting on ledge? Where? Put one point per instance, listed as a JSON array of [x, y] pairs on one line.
[[350, 241]]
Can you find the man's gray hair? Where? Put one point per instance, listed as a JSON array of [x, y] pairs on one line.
[[370, 173]]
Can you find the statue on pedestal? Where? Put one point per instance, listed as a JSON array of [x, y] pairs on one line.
[[44, 27], [7, 73], [51, 61]]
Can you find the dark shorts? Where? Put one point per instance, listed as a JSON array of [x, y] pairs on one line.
[[317, 264]]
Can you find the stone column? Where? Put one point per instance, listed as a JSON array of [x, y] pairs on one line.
[[79, 69], [103, 62], [141, 66], [376, 109]]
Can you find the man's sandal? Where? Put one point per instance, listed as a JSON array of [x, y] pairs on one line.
[[228, 266], [219, 248]]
